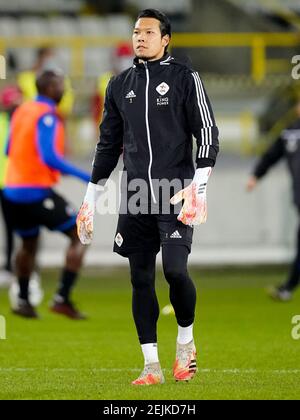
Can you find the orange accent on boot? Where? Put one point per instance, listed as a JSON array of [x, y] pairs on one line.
[[184, 373], [149, 379]]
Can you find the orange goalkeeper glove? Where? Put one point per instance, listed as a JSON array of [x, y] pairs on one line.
[[194, 209]]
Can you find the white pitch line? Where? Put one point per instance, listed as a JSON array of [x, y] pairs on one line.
[[215, 371]]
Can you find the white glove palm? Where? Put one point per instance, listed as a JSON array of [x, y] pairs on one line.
[[194, 209], [85, 218]]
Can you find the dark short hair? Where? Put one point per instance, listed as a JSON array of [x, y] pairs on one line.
[[165, 24], [45, 78]]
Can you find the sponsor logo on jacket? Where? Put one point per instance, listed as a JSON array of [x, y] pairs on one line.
[[163, 88]]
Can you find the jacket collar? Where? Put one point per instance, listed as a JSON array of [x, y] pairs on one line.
[[152, 65]]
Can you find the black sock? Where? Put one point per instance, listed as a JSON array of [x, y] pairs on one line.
[[24, 285], [67, 281]]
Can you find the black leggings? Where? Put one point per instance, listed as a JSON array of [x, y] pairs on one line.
[[145, 306], [294, 277], [9, 237]]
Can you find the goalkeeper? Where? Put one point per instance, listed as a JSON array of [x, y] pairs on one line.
[[151, 112]]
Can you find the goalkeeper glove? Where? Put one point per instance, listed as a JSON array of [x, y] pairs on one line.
[[194, 209], [85, 218]]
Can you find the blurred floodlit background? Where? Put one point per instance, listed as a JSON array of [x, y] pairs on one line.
[[243, 51]]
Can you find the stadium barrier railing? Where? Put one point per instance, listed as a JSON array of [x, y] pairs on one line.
[[257, 42]]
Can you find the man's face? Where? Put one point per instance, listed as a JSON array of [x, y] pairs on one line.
[[148, 43]]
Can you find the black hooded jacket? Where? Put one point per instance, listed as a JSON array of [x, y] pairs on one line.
[[151, 113]]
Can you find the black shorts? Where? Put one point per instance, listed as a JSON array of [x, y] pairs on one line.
[[147, 232], [53, 212]]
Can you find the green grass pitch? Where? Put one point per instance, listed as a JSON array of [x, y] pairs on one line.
[[245, 348]]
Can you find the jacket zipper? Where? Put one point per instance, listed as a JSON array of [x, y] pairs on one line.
[[148, 132]]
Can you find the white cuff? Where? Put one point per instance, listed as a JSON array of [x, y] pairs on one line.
[[92, 194], [202, 175]]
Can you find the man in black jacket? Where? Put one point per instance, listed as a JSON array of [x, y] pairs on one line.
[[151, 113], [287, 146]]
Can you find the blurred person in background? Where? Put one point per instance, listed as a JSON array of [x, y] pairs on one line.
[[286, 147], [121, 60], [45, 60], [152, 110], [10, 98], [35, 163]]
